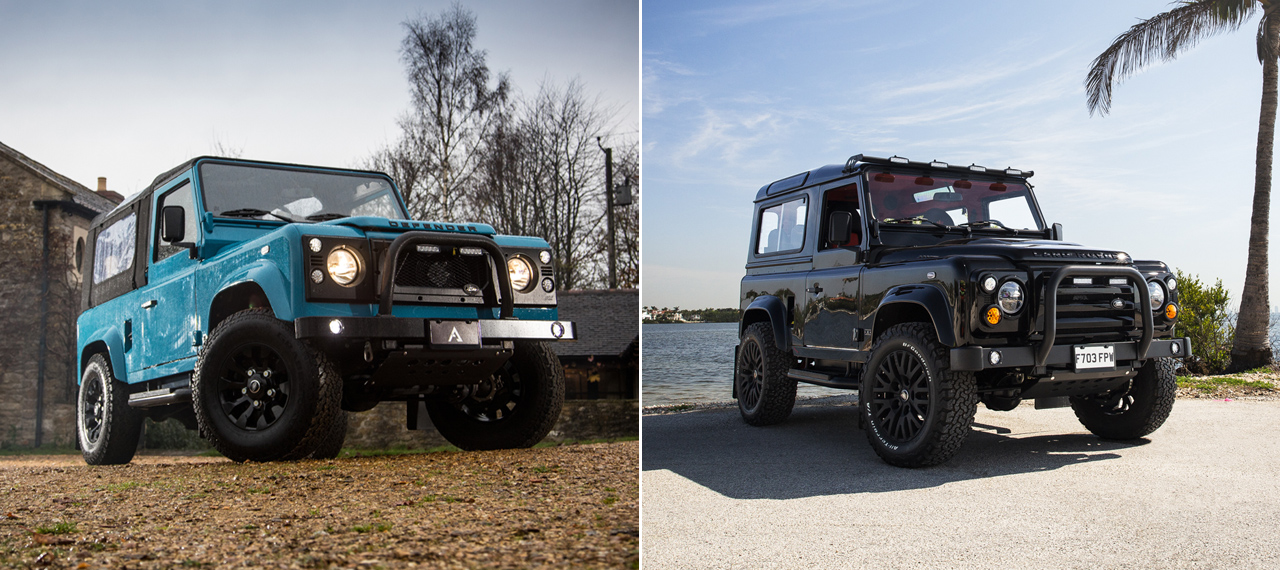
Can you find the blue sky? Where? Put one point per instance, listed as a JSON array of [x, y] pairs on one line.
[[130, 89], [737, 95]]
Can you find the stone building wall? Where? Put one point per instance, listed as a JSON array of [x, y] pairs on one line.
[[21, 242]]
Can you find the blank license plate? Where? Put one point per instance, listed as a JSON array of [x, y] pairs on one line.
[[1095, 356], [455, 333]]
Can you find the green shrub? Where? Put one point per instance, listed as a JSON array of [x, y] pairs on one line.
[[1205, 317], [170, 434]]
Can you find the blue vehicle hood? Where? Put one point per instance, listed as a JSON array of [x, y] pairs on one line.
[[383, 224]]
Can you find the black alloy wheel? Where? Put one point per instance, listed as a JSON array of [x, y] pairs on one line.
[[917, 411], [766, 394], [512, 408], [750, 375], [107, 427], [93, 404], [901, 396], [1134, 410], [253, 386]]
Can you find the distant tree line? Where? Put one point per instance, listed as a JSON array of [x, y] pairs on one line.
[[473, 148], [655, 315]]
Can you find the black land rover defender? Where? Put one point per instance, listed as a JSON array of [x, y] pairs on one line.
[[929, 287]]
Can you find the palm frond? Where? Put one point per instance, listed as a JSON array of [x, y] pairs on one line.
[[1161, 38]]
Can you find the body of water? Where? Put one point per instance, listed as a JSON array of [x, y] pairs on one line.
[[692, 363]]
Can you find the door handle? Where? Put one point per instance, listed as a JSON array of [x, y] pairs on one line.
[[815, 289], [149, 304]]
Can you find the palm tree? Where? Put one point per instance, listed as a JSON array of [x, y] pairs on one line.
[[1162, 38]]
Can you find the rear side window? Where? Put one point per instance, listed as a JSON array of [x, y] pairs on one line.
[[782, 227], [114, 248]]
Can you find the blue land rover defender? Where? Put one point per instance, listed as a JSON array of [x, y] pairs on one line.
[[260, 302]]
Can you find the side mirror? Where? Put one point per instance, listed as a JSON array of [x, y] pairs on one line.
[[1055, 234], [839, 227], [173, 222]]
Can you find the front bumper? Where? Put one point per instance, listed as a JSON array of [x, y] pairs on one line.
[[408, 329], [975, 358]]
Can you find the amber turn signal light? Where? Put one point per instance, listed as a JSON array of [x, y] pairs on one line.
[[1171, 311], [993, 316]]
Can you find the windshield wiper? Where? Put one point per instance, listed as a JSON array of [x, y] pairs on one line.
[[968, 226], [914, 219], [253, 213], [325, 216]]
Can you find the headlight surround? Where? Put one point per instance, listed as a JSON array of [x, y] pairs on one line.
[[521, 272], [1010, 297], [345, 266], [1157, 294]]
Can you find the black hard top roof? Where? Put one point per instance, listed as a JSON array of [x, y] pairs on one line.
[[859, 162]]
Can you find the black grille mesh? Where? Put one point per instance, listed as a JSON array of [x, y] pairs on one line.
[[444, 270]]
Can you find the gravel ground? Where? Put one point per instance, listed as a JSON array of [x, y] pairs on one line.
[[574, 505]]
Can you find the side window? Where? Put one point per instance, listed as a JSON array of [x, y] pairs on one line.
[[842, 199], [180, 196], [782, 227], [113, 250]]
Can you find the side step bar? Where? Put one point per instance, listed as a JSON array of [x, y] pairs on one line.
[[161, 397], [826, 380]]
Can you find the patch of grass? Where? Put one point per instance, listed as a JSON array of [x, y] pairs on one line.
[[189, 563], [119, 487], [57, 528], [1210, 384], [610, 500], [326, 468], [363, 528], [545, 469], [263, 490], [396, 450], [249, 527]]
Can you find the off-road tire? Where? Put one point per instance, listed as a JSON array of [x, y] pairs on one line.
[[116, 425], [928, 425], [312, 402], [519, 413], [331, 442], [1135, 410], [765, 394]]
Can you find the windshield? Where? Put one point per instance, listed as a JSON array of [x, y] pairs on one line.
[[286, 194], [902, 200]]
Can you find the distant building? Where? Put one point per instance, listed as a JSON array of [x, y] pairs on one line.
[[44, 222], [605, 360]]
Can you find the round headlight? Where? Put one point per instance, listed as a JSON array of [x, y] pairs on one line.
[[1157, 294], [989, 283], [1010, 297], [344, 266], [521, 273]]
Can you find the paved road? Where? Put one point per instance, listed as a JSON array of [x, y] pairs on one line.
[[1030, 489]]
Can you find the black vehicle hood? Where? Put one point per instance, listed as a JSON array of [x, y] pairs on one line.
[[1017, 250]]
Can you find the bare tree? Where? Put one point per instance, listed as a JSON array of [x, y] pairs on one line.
[[542, 175], [453, 105]]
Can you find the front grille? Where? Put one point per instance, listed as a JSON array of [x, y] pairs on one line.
[[1093, 309], [443, 270]]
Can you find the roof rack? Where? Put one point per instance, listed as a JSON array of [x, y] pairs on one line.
[[896, 160]]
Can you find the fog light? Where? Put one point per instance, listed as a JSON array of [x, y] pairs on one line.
[[1175, 348], [1171, 311], [994, 358], [989, 283], [335, 326], [993, 316]]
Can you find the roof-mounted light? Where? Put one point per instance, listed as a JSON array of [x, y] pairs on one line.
[[977, 168], [898, 159], [938, 164], [1013, 172]]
